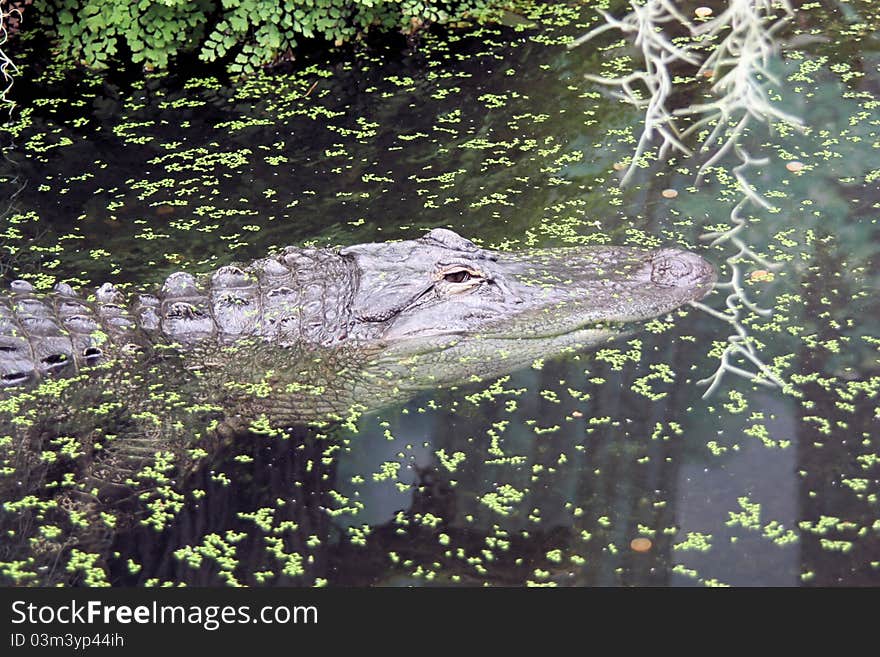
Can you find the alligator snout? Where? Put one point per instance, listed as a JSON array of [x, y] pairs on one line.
[[677, 268]]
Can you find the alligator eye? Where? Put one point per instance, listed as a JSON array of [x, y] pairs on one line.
[[457, 276]]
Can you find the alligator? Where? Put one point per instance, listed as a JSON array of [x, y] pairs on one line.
[[440, 293], [135, 389]]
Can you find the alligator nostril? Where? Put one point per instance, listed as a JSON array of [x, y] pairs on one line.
[[674, 268]]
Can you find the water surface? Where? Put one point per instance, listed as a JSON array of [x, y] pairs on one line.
[[545, 476]]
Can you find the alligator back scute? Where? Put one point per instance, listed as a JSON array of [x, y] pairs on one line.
[[58, 333], [185, 310], [78, 319], [305, 295], [147, 309], [300, 295], [116, 319], [236, 302], [16, 364], [297, 296], [280, 294]]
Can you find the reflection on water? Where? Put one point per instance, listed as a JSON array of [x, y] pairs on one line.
[[543, 477], [737, 557]]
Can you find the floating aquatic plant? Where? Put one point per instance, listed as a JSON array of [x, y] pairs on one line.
[[742, 42]]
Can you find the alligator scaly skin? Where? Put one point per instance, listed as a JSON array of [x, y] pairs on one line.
[[300, 295]]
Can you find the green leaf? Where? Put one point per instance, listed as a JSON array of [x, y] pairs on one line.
[[238, 23]]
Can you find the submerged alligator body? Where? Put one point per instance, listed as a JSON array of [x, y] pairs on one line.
[[111, 402]]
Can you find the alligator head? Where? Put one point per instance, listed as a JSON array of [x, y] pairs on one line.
[[445, 311]]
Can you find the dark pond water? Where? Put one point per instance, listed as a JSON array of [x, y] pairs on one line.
[[548, 475]]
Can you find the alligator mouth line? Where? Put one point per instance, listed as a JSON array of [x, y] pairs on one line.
[[613, 329], [608, 326]]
